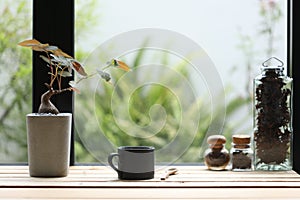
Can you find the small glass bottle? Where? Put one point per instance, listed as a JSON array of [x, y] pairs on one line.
[[272, 118], [216, 157], [241, 153]]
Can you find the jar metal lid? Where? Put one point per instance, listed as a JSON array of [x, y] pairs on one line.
[[270, 65]]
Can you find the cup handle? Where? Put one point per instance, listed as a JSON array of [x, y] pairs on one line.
[[110, 158]]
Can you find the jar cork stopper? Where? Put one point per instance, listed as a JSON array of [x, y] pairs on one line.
[[241, 139], [216, 141]]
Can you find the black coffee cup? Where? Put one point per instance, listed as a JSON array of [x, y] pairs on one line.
[[135, 162]]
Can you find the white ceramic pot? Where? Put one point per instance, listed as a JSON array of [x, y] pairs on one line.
[[48, 139]]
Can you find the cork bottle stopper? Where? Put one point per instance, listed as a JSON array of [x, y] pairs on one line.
[[241, 139], [216, 141]]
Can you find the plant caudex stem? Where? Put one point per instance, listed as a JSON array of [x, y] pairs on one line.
[[46, 106]]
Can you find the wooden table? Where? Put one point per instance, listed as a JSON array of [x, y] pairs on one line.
[[191, 182]]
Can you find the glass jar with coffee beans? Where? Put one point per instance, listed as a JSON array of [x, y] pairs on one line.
[[272, 117], [241, 153]]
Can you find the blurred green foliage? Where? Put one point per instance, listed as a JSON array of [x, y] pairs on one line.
[[16, 89], [16, 84], [137, 108], [15, 73]]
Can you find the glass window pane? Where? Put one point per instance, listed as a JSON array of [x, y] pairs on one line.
[[192, 68], [15, 76]]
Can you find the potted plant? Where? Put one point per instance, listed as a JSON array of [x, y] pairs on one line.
[[49, 131]]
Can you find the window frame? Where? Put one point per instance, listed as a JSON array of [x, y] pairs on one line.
[[294, 60], [53, 22]]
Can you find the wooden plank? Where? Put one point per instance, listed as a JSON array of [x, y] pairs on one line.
[[106, 169], [131, 193], [97, 183], [178, 177], [188, 176], [100, 182], [181, 176]]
